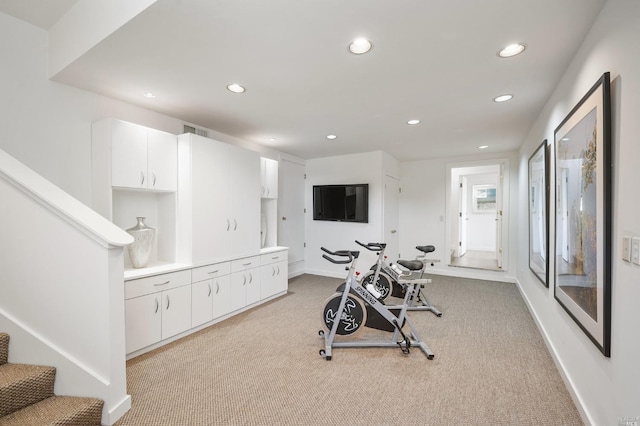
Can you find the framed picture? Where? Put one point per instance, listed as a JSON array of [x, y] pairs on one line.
[[538, 214], [583, 214], [484, 198]]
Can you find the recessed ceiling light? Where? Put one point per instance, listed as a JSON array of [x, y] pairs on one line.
[[149, 95], [413, 122], [360, 46], [272, 139], [503, 98], [331, 136], [512, 50], [235, 88], [483, 147]]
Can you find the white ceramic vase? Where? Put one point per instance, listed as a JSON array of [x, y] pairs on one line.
[[140, 248]]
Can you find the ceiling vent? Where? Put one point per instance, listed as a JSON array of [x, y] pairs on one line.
[[196, 131]]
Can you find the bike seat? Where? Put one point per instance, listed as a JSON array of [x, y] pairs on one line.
[[412, 265], [426, 249]]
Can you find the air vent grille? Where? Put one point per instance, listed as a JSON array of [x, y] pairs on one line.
[[196, 131]]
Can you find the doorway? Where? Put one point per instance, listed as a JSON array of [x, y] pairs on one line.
[[476, 215]]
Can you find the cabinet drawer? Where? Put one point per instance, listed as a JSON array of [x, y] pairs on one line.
[[156, 283], [210, 271], [276, 256], [245, 263]]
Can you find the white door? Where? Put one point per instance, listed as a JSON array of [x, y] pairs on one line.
[[391, 214], [462, 216], [291, 209]]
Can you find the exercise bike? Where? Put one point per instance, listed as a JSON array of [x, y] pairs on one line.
[[384, 277], [348, 311]]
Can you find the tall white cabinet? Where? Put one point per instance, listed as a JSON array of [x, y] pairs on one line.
[[204, 199], [219, 202]]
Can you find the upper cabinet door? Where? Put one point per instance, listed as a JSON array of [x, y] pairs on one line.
[[269, 177], [162, 165], [128, 155]]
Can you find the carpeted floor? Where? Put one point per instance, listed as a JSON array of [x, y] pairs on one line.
[[262, 367]]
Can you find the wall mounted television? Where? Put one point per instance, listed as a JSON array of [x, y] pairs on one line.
[[342, 203]]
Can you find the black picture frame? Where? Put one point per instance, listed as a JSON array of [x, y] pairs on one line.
[[583, 196], [539, 213]]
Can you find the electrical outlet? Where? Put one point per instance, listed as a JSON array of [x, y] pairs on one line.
[[626, 249], [635, 250]]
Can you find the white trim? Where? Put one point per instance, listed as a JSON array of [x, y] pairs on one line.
[[575, 395]]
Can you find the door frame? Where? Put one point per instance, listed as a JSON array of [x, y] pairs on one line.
[[452, 207]]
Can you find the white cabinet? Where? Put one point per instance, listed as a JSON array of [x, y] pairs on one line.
[[269, 178], [210, 293], [126, 156], [142, 158], [156, 308], [219, 203], [274, 274], [176, 311], [245, 282]]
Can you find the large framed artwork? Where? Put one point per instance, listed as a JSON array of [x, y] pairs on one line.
[[583, 214], [538, 214]]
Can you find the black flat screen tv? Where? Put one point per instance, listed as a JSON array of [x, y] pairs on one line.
[[342, 203]]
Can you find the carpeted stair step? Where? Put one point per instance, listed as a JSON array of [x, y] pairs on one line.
[[22, 385], [58, 411], [4, 348]]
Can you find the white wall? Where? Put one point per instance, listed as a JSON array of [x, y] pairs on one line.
[[346, 169], [607, 388], [423, 211]]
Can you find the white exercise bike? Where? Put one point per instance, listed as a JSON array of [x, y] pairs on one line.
[[346, 312]]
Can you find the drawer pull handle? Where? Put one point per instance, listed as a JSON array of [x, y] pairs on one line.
[[250, 278], [154, 178], [277, 266], [275, 257], [157, 306], [246, 264], [217, 287], [228, 224], [141, 178], [214, 272], [164, 283], [244, 279], [168, 302], [273, 271], [209, 290], [235, 224]]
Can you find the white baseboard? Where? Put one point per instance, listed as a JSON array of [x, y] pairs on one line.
[[575, 395]]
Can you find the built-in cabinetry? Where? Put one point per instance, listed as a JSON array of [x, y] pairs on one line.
[[142, 157], [269, 178], [219, 203], [157, 308], [163, 307], [273, 273], [134, 173], [210, 292], [205, 198]]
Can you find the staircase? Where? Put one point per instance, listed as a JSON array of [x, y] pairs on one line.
[[27, 398]]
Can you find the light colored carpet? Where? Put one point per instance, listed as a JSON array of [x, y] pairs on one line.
[[262, 367]]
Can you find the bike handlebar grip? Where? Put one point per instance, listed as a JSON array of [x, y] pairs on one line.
[[339, 262]]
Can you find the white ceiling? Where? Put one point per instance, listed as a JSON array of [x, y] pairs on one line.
[[434, 60]]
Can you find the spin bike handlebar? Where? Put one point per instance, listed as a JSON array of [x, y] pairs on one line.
[[373, 246], [340, 253]]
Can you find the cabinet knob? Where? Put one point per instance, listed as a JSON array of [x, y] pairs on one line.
[[284, 218]]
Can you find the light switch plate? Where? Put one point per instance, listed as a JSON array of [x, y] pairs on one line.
[[626, 249], [635, 250]]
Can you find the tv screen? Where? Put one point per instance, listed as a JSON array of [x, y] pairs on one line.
[[344, 203]]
